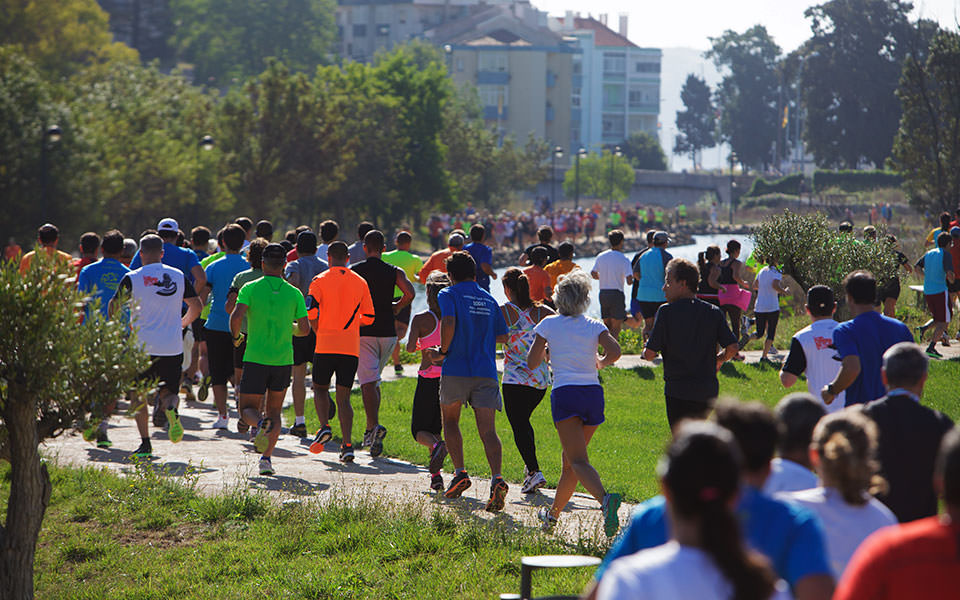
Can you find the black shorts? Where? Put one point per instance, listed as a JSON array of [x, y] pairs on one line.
[[612, 305], [257, 378], [679, 409], [425, 415], [167, 370], [304, 347], [404, 315], [197, 328], [238, 354], [326, 365], [649, 309], [219, 355], [767, 321]]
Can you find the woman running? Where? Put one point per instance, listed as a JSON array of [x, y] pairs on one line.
[[769, 286], [731, 278], [708, 262], [577, 397], [523, 388], [844, 444], [425, 420], [706, 558]]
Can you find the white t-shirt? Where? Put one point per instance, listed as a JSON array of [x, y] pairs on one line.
[[573, 348], [844, 525], [157, 292], [767, 297], [788, 476], [670, 571], [820, 366], [614, 268]]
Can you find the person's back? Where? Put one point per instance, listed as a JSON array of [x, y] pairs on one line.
[[101, 279], [482, 254], [157, 291], [338, 300], [613, 268], [652, 267], [220, 274], [868, 336], [306, 267], [381, 279], [479, 321], [812, 353], [405, 260]]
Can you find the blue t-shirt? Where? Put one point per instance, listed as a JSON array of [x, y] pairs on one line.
[[935, 264], [472, 353], [868, 336], [790, 536], [481, 254], [652, 266], [220, 274], [200, 254], [100, 280], [173, 256]]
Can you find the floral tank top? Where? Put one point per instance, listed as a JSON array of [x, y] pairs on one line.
[[520, 338]]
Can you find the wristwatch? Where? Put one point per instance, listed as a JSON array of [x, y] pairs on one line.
[[441, 352], [830, 389]]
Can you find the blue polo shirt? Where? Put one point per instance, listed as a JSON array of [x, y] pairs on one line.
[[174, 256], [790, 536], [868, 336], [100, 280], [220, 274], [481, 254], [472, 353]]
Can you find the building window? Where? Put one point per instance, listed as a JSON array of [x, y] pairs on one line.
[[460, 65], [359, 31], [492, 61], [613, 96], [613, 127], [643, 95], [383, 29], [493, 95], [614, 63], [575, 98], [647, 67]]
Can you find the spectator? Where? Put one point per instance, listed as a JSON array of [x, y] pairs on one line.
[[917, 560], [909, 434], [649, 270], [936, 267], [797, 415], [611, 268], [861, 342], [811, 349], [687, 332]]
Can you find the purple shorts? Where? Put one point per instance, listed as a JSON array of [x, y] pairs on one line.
[[582, 401]]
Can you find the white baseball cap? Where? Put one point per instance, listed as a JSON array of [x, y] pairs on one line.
[[167, 224]]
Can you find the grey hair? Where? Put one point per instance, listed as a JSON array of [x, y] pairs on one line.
[[572, 295], [905, 364], [129, 248]]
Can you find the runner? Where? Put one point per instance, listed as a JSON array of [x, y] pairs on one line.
[[337, 305], [523, 388], [329, 230], [378, 339], [357, 254], [889, 291], [438, 260], [47, 237], [769, 286], [411, 265], [577, 396], [426, 422], [562, 265], [482, 255], [538, 281], [156, 292], [300, 273], [292, 253], [811, 349], [936, 267], [708, 262], [200, 241], [649, 270], [611, 268], [731, 289], [544, 237], [269, 305], [89, 248]]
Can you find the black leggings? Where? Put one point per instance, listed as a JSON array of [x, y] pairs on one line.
[[767, 321], [520, 401], [734, 312]]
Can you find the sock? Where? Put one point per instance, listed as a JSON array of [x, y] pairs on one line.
[[300, 421], [146, 441]]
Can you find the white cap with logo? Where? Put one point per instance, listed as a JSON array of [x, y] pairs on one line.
[[167, 224]]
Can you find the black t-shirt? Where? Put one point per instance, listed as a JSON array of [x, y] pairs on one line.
[[552, 254], [909, 439], [686, 333], [381, 279]]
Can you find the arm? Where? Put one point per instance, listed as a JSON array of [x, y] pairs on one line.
[[231, 302], [236, 319], [814, 587], [713, 276], [486, 268], [293, 278], [406, 288], [448, 325], [303, 327], [649, 354], [787, 379], [199, 277], [523, 260], [193, 311], [849, 370], [414, 335], [537, 352], [737, 269], [611, 350], [778, 287], [595, 275], [727, 353], [204, 292]]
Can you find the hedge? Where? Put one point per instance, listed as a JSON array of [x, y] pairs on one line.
[[789, 185], [855, 181]]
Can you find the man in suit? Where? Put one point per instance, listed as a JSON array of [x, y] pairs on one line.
[[910, 433]]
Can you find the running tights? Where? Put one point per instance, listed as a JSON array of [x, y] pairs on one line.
[[734, 312], [520, 401]]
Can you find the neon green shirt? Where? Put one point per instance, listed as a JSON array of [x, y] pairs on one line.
[[272, 307], [615, 218], [203, 264], [409, 263]]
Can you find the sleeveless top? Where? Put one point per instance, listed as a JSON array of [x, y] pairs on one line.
[[520, 338], [726, 271], [704, 288], [428, 341]]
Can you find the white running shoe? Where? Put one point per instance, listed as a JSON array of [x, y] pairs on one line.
[[266, 468], [221, 423], [533, 482]]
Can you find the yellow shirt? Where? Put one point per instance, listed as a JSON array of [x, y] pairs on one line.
[[558, 268]]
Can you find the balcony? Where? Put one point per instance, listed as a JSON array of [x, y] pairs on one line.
[[490, 113], [493, 77]]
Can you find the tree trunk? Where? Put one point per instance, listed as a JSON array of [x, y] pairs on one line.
[[29, 498]]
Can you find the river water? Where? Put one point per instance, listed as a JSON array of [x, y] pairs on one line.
[[688, 251]]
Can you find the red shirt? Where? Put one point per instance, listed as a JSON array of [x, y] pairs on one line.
[[293, 255], [915, 560], [539, 282]]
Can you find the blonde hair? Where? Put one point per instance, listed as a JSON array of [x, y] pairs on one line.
[[572, 295], [846, 442]]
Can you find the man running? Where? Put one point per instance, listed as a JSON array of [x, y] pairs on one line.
[[357, 254], [649, 271], [47, 238], [270, 305], [611, 268], [936, 267], [482, 255], [156, 292], [544, 237], [378, 339], [411, 265], [437, 260], [338, 303]]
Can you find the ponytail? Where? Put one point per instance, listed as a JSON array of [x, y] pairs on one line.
[[748, 572], [702, 260], [519, 286], [846, 442]]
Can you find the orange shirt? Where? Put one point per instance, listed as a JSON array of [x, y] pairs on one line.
[[339, 300], [436, 262], [50, 250], [539, 282], [558, 268]]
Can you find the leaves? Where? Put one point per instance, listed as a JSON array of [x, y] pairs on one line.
[[697, 123], [605, 176], [644, 152]]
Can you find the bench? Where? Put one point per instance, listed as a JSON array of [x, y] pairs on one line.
[[528, 564]]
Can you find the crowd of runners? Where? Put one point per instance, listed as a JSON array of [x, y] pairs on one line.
[[753, 497]]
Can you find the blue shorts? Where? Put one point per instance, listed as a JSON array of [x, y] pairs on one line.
[[583, 401]]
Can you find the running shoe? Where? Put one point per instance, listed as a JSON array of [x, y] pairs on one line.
[[266, 467], [159, 417], [498, 493], [144, 451], [458, 485], [547, 521], [533, 482], [398, 370], [242, 426], [610, 508], [346, 453], [186, 388], [376, 445], [323, 436], [299, 431], [222, 423], [262, 439], [175, 432], [102, 440], [90, 432], [203, 391], [932, 353], [436, 482], [437, 455]]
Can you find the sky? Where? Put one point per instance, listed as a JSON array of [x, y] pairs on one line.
[[688, 23]]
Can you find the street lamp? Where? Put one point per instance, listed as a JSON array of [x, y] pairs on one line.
[[616, 153], [733, 183], [50, 137], [205, 144], [557, 153], [580, 153]]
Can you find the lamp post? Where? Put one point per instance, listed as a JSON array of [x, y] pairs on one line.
[[205, 144], [580, 153], [615, 153], [557, 153], [733, 183], [50, 136]]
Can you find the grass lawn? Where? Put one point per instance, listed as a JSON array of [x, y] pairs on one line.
[[149, 536], [626, 447]]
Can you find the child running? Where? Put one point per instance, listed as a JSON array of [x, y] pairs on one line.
[[426, 422]]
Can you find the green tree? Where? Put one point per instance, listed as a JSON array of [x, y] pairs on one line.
[[52, 371], [605, 176], [231, 39], [697, 123], [747, 96], [644, 152], [927, 147]]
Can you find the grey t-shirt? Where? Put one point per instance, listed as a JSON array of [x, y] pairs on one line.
[[306, 267], [357, 253]]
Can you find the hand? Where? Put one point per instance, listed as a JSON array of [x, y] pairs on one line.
[[493, 275], [826, 395], [720, 362], [238, 341]]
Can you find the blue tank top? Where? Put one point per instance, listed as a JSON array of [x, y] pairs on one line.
[[652, 271]]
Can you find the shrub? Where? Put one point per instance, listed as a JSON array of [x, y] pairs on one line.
[[789, 184], [855, 181]]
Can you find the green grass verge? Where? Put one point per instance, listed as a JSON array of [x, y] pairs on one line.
[[150, 536], [627, 446]]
